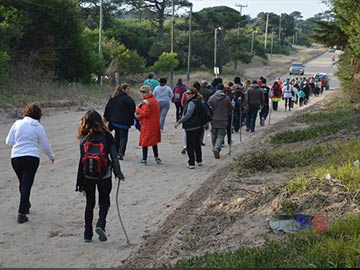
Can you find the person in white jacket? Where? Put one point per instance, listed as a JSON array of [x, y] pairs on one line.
[[27, 136], [287, 93]]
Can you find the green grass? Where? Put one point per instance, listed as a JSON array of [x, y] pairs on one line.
[[282, 159], [300, 184], [321, 124], [299, 135], [321, 159], [347, 173], [338, 246]]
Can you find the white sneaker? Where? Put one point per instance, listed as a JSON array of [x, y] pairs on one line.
[[199, 164], [191, 166]]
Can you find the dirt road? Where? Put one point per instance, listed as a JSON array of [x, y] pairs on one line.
[[53, 236]]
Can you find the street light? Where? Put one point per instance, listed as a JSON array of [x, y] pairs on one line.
[[216, 69], [252, 41]]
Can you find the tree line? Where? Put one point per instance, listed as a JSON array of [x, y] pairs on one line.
[[342, 31], [59, 39]]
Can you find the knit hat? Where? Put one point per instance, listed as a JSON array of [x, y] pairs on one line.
[[220, 86]]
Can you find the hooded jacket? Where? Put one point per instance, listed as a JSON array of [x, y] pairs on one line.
[[221, 105], [255, 95], [26, 136], [149, 116]]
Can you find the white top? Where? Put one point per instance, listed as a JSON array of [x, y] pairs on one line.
[[287, 91], [26, 136], [163, 93]]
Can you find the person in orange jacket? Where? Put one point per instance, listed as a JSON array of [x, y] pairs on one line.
[[148, 113]]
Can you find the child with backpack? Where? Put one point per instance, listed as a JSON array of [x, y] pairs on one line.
[[98, 157], [301, 95]]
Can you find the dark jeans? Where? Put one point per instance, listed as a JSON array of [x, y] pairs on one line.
[[251, 118], [145, 151], [25, 169], [202, 135], [264, 112], [104, 189], [236, 119], [229, 128], [121, 139], [193, 146], [179, 110], [244, 116]]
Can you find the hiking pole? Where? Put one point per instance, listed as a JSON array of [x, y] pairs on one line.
[[231, 124], [118, 211], [270, 111], [240, 119]]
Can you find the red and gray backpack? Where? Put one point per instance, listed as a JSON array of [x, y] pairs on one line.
[[94, 158], [178, 93]]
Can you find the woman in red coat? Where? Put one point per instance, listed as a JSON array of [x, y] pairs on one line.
[[148, 113]]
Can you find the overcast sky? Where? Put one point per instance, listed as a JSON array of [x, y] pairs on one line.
[[308, 8]]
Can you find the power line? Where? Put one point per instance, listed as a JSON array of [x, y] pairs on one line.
[[35, 4]]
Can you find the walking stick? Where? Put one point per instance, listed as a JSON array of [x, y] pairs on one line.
[[241, 119], [272, 104], [232, 118], [118, 211]]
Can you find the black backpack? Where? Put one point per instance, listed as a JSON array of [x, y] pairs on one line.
[[276, 91], [94, 160], [205, 112]]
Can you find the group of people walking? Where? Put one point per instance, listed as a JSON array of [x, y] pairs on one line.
[[233, 105]]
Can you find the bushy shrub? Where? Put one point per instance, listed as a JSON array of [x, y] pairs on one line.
[[166, 62]]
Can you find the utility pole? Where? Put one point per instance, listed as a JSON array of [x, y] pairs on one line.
[[252, 41], [189, 49], [266, 30], [172, 27], [280, 30], [241, 6], [272, 43], [172, 41], [100, 56], [237, 47]]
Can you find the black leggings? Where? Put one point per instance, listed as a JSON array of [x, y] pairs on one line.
[[25, 169], [104, 187], [287, 102], [145, 151]]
